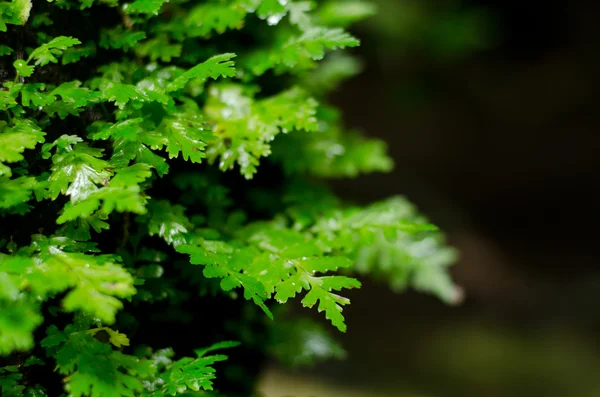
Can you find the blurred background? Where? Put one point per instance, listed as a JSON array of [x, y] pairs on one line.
[[490, 111]]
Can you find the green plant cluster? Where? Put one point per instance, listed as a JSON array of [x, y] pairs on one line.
[[164, 162]]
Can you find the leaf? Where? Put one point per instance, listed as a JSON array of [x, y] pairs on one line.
[[331, 151], [273, 9], [8, 97], [217, 346], [120, 38], [291, 266], [122, 194], [18, 320], [5, 50], [144, 6], [298, 53], [15, 191], [77, 171], [94, 283], [219, 17], [270, 259], [302, 342], [74, 54], [192, 374], [10, 13], [121, 94], [331, 72], [159, 47], [48, 52], [23, 8], [344, 13], [185, 132], [32, 95], [116, 338], [168, 222], [41, 19], [22, 68], [14, 140], [217, 66], [410, 259], [72, 94], [124, 151], [95, 370], [329, 302], [244, 127], [128, 130], [221, 261]]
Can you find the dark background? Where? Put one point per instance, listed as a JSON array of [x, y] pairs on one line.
[[490, 109]]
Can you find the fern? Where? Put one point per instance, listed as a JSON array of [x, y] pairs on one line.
[[129, 199]]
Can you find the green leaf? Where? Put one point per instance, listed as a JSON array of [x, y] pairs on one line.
[[8, 97], [33, 360], [72, 94], [15, 191], [331, 151], [218, 17], [121, 94], [116, 338], [11, 13], [410, 259], [32, 95], [168, 222], [144, 6], [23, 8], [122, 193], [18, 320], [217, 346], [94, 282], [74, 54], [331, 72], [5, 50], [25, 134], [23, 69], [120, 38], [302, 342], [244, 127], [77, 170], [344, 13], [128, 130], [94, 369], [190, 374], [271, 8], [48, 52], [329, 302], [157, 48], [185, 132], [41, 19], [215, 67], [223, 261], [299, 53]]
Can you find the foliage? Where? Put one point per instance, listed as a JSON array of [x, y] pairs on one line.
[[155, 169]]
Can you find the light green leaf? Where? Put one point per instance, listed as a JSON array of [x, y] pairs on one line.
[[48, 52], [344, 13], [244, 128], [23, 8], [25, 134], [215, 67], [144, 6], [122, 193], [23, 68]]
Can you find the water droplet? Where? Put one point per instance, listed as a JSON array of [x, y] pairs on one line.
[[274, 19]]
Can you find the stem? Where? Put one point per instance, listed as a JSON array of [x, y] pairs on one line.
[[20, 51]]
